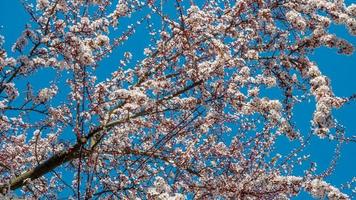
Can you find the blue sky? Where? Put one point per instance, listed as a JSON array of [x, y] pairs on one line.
[[339, 68]]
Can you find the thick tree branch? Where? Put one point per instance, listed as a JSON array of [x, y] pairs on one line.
[[41, 169], [73, 152]]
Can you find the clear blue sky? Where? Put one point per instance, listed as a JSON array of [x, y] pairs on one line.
[[341, 70]]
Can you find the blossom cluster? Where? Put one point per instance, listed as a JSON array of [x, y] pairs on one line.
[[296, 19], [161, 190], [320, 189]]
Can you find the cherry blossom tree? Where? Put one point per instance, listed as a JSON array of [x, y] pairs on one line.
[[193, 118]]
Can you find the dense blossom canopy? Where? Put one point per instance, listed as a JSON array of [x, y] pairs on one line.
[[194, 118]]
